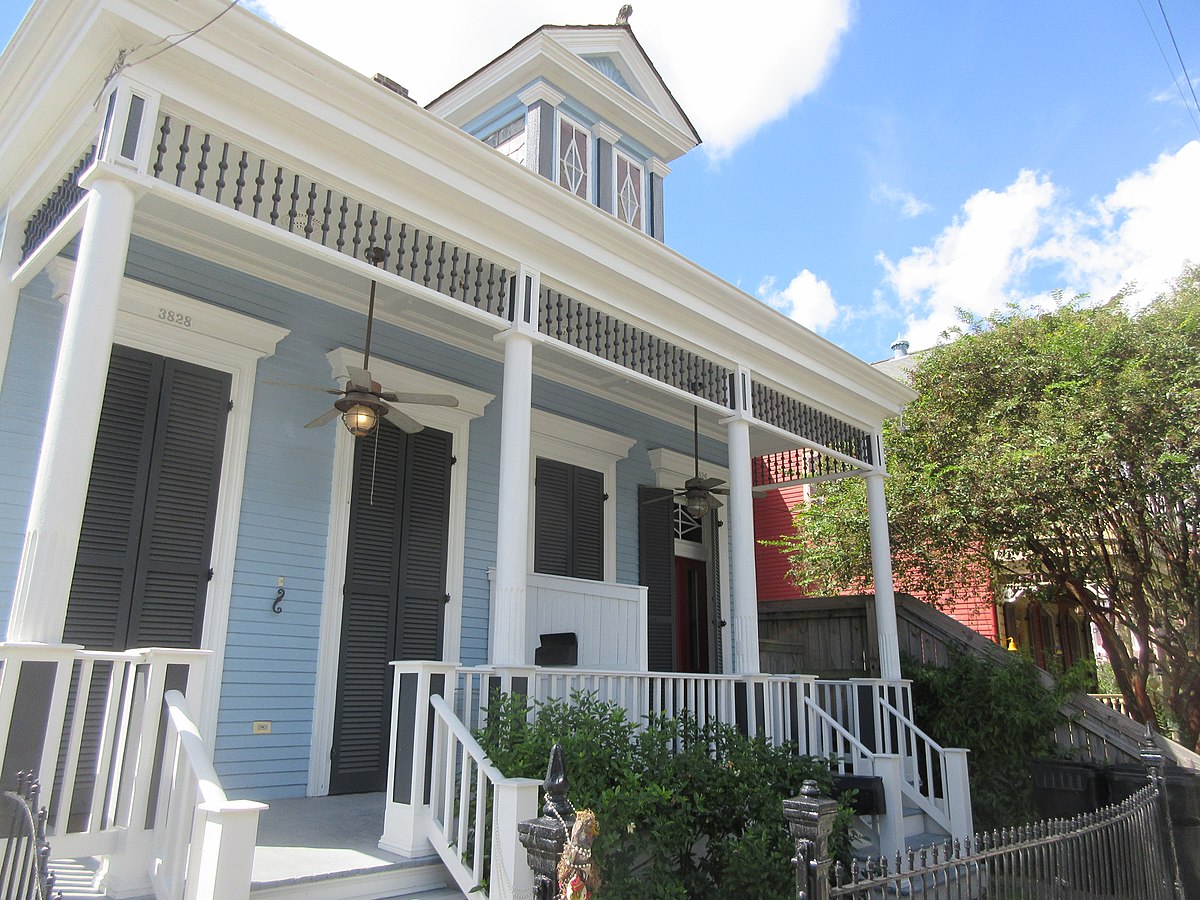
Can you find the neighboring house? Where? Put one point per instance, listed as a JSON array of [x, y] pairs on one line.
[[1005, 611], [188, 234]]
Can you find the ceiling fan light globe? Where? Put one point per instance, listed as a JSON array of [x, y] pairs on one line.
[[697, 504], [360, 420]]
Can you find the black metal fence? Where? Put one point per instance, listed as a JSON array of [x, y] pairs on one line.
[[1120, 852], [24, 868]]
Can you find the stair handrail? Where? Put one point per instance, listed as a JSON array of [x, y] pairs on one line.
[[933, 792], [463, 784], [191, 860], [817, 749]]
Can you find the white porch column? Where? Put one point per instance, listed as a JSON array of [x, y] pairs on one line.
[[512, 521], [881, 567], [743, 581], [73, 416], [10, 251]]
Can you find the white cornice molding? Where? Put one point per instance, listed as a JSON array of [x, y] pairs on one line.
[[578, 442], [541, 90], [658, 167], [161, 309], [606, 133], [672, 469]]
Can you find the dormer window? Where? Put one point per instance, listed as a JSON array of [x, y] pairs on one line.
[[573, 157], [630, 195]]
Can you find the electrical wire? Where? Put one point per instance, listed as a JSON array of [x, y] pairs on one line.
[[122, 64], [1182, 95]]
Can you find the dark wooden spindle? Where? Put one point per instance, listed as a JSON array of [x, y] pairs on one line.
[[240, 183], [181, 166], [222, 168], [164, 131]]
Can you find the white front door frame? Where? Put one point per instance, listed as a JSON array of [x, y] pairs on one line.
[[457, 422]]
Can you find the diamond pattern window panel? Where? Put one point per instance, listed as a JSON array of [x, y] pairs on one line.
[[629, 191], [572, 157]]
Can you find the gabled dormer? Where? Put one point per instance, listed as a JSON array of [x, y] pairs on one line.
[[584, 107]]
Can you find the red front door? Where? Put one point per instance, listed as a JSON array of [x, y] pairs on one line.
[[691, 616]]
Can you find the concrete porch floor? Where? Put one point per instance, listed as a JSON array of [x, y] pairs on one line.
[[308, 840]]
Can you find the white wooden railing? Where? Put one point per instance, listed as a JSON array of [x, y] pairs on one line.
[[203, 841], [1114, 702], [89, 724], [474, 810], [864, 726], [879, 713]]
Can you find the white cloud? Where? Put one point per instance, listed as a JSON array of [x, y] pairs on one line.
[[973, 262], [731, 70], [807, 300], [1143, 231], [906, 203]]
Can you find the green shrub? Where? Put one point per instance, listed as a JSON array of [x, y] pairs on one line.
[[1002, 713], [686, 810]]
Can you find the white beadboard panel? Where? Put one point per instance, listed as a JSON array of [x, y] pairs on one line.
[[26, 390]]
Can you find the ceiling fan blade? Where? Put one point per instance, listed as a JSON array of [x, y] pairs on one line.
[[327, 416], [661, 498], [419, 399], [724, 491], [403, 421], [307, 387], [360, 378], [711, 483]]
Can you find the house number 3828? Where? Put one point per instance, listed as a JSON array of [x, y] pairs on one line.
[[172, 317]]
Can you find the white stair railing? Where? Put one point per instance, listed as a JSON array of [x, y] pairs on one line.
[[203, 841], [878, 713], [474, 811]]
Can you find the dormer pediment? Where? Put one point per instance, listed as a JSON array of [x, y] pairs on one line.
[[602, 68]]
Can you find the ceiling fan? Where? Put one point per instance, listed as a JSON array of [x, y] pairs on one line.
[[699, 494], [363, 401]]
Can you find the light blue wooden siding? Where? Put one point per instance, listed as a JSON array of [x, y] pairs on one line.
[[498, 116], [23, 398]]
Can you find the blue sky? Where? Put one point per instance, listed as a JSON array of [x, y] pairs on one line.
[[870, 166]]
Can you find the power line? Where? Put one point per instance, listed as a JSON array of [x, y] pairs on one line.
[[1182, 95], [121, 63]]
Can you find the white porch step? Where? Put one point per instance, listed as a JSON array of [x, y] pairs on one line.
[[418, 879]]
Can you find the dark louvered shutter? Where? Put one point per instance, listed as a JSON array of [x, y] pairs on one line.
[[106, 564], [181, 508], [393, 605], [552, 518], [587, 509], [368, 613], [141, 574], [568, 521], [714, 531], [423, 550], [656, 555]]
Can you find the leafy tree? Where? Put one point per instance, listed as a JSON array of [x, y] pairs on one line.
[[1070, 440]]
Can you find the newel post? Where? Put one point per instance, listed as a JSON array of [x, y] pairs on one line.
[[810, 822], [545, 837]]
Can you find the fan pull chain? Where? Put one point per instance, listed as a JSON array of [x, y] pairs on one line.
[[374, 459]]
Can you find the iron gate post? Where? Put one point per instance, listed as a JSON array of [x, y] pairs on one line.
[[1153, 760], [545, 836], [810, 819]]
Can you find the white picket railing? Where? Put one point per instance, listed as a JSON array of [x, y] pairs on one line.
[[879, 714], [203, 841], [474, 810], [864, 726], [90, 725]]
